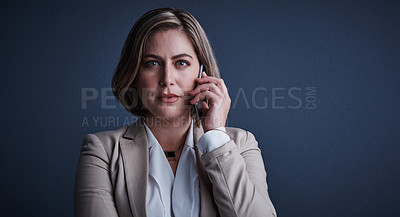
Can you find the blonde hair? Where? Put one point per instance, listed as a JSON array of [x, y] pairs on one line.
[[133, 50]]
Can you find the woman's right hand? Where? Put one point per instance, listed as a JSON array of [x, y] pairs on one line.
[[216, 101]]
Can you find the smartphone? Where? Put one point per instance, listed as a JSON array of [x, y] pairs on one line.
[[196, 106]]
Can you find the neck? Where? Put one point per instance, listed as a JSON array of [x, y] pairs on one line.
[[170, 133]]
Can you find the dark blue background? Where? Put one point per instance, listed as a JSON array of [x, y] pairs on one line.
[[339, 159]]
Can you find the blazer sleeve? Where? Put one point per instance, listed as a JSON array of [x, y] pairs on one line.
[[93, 189], [238, 178]]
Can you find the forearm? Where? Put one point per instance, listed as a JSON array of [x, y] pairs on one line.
[[239, 180]]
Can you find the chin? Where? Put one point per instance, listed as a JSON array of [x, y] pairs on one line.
[[171, 113]]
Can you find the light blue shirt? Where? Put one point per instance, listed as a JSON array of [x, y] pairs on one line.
[[179, 196]]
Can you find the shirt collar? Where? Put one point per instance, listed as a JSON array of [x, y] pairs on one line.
[[152, 140], [150, 136]]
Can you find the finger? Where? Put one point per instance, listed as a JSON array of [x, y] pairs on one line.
[[223, 86], [207, 95], [207, 87], [217, 81], [207, 79], [204, 109], [205, 105]]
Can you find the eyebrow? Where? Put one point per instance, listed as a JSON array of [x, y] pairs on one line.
[[173, 57]]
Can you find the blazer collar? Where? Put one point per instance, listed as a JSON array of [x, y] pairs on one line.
[[135, 155]]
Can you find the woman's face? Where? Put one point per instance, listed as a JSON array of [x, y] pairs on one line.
[[167, 73]]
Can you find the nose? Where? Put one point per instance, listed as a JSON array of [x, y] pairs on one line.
[[167, 76]]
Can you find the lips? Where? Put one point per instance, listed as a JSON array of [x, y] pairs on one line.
[[168, 97]]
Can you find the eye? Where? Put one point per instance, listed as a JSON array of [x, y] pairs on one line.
[[151, 63], [182, 63]]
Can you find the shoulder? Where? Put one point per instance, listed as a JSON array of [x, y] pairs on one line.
[[104, 140], [110, 135]]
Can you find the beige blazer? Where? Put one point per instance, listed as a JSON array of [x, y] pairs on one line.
[[113, 169]]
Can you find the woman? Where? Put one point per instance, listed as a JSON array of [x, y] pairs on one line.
[[169, 163]]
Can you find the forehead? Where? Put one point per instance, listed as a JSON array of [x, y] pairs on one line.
[[169, 42]]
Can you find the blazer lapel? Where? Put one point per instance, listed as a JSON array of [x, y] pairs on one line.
[[135, 156], [207, 206]]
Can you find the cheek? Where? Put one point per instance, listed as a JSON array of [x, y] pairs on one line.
[[188, 86], [148, 81], [145, 87], [189, 82]]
